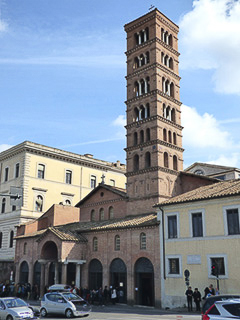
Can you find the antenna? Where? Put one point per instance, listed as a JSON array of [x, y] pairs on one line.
[[152, 7]]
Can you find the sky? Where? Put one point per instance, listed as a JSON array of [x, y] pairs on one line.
[[63, 68]]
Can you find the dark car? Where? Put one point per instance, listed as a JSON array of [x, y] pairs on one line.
[[222, 297]]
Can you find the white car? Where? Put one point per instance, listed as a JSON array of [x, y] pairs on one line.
[[225, 310], [65, 303], [15, 309]]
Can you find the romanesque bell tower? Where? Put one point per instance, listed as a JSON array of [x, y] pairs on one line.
[[154, 133]]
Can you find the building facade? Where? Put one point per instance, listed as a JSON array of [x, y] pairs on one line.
[[199, 229], [47, 175]]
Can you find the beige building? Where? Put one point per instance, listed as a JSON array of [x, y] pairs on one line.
[[48, 176], [199, 229]]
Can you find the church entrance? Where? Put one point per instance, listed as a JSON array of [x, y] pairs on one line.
[[24, 270], [144, 282], [71, 273], [95, 274], [118, 279]]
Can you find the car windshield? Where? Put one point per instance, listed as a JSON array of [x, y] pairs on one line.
[[71, 296], [14, 303]]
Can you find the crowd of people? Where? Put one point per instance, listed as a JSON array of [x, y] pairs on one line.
[[24, 291], [197, 297]]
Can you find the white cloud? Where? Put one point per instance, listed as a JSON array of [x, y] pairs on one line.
[[203, 131], [4, 147], [210, 39], [119, 121], [231, 160]]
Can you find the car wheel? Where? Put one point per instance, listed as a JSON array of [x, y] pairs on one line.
[[69, 313], [9, 317], [43, 312]]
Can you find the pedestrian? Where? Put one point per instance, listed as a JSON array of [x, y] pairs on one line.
[[189, 294], [106, 295], [197, 298], [113, 295], [209, 291]]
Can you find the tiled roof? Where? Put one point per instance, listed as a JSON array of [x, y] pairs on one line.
[[216, 190], [67, 235], [31, 235]]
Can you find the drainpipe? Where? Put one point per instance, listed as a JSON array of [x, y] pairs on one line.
[[160, 218]]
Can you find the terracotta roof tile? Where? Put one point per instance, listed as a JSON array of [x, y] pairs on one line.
[[216, 190]]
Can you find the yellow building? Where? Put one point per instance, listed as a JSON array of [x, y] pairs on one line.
[[198, 230], [48, 176]]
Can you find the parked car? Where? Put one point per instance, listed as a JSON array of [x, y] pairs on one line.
[[65, 303], [225, 310], [15, 309], [222, 297], [59, 288]]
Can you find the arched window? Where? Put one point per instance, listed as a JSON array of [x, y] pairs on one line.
[[148, 110], [174, 138], [136, 89], [136, 162], [136, 114], [117, 243], [147, 160], [171, 63], [1, 236], [148, 137], [3, 205], [142, 60], [101, 214], [173, 115], [11, 239], [141, 136], [168, 113], [147, 57], [170, 40], [143, 241], [169, 136], [162, 57], [142, 113], [111, 213], [172, 90], [39, 203], [93, 216], [136, 63], [164, 135], [135, 138], [67, 202], [95, 244], [175, 163], [25, 248], [165, 155], [148, 85], [142, 87]]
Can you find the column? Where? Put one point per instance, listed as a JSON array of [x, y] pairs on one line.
[[145, 35], [64, 273], [163, 84], [139, 88], [56, 275], [17, 270], [145, 85], [139, 38], [78, 276], [42, 284]]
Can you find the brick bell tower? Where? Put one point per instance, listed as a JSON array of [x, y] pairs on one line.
[[154, 150]]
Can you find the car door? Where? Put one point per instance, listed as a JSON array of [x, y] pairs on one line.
[[3, 310], [61, 304]]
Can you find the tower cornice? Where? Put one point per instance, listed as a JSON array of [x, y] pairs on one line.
[[154, 142], [151, 169], [157, 117]]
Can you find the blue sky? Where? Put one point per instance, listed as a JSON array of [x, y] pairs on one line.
[[63, 68]]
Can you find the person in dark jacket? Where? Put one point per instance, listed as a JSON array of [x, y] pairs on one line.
[[197, 298], [189, 294]]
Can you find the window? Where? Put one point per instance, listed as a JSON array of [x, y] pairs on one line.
[[93, 181], [39, 203], [233, 221], [68, 176], [95, 244], [101, 214], [11, 239], [218, 262], [117, 243], [14, 208], [173, 265], [147, 160], [165, 159], [93, 216], [143, 241], [172, 227], [111, 213], [136, 162], [3, 205], [175, 163], [41, 171], [197, 225], [67, 202], [6, 174], [17, 170], [1, 236], [25, 248], [112, 182]]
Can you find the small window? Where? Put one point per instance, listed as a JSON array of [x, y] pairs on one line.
[[41, 171], [173, 266], [117, 243], [68, 176], [112, 182], [172, 227], [25, 248], [39, 203], [17, 170], [218, 262], [143, 241], [101, 214], [11, 239], [95, 244], [93, 182], [3, 205], [93, 216], [233, 221], [6, 174], [14, 208], [111, 213]]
